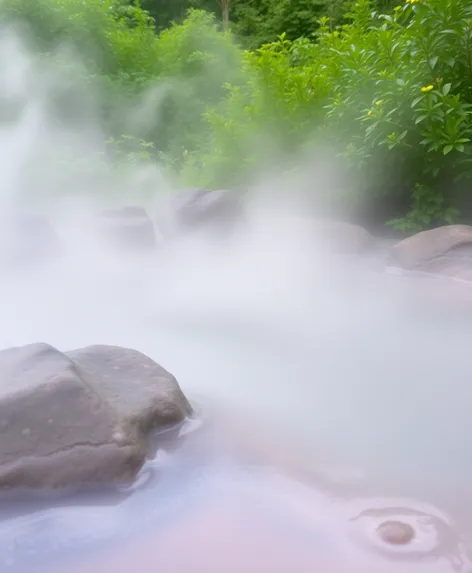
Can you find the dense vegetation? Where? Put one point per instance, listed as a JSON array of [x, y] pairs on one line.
[[232, 87]]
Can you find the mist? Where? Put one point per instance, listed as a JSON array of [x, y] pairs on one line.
[[327, 352]]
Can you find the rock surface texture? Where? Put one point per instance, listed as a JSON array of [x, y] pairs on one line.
[[445, 251], [128, 228], [80, 418]]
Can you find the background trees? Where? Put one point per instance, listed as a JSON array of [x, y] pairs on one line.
[[239, 85]]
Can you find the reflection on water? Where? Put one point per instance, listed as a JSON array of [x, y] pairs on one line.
[[330, 362], [198, 508]]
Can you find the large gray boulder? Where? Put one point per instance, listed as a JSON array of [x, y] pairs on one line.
[[126, 228], [80, 418], [444, 251]]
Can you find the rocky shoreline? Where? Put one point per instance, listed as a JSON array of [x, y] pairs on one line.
[[70, 419]]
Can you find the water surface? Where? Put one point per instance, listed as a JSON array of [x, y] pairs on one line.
[[342, 409]]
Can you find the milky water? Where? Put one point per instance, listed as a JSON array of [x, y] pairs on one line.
[[326, 368], [341, 405]]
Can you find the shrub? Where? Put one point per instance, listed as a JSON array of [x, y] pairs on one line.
[[393, 91], [197, 61], [149, 87]]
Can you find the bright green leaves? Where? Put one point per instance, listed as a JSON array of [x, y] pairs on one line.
[[387, 89]]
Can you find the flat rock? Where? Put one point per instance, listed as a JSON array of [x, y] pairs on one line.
[[444, 251], [80, 418], [129, 228]]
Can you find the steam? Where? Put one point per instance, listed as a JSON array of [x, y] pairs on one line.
[[320, 347]]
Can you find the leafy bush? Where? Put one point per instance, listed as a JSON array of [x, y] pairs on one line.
[[149, 87], [261, 21], [111, 36], [403, 82], [196, 60], [392, 90]]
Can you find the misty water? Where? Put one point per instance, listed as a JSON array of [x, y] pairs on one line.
[[328, 402]]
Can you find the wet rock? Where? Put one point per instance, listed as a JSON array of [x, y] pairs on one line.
[[196, 209], [80, 418], [445, 251], [128, 228], [342, 238], [26, 239]]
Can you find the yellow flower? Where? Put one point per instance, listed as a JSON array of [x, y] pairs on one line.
[[378, 102], [427, 89], [369, 113]]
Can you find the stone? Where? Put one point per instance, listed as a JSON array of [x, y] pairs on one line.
[[196, 209], [80, 418], [129, 228], [342, 238], [444, 251]]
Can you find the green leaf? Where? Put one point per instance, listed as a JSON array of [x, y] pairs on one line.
[[446, 89], [433, 61], [447, 149]]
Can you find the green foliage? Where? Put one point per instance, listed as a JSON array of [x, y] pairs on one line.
[[403, 82], [262, 21], [428, 209], [389, 89], [196, 62], [111, 36], [130, 150], [167, 81], [392, 92]]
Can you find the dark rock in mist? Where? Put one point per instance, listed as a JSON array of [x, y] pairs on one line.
[[342, 238], [444, 251], [200, 209], [80, 418], [129, 228], [26, 239]]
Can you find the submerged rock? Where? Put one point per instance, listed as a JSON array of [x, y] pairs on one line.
[[445, 251], [343, 238], [80, 418], [197, 209], [128, 228]]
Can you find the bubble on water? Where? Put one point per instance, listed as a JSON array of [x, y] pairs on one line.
[[404, 530], [396, 532]]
